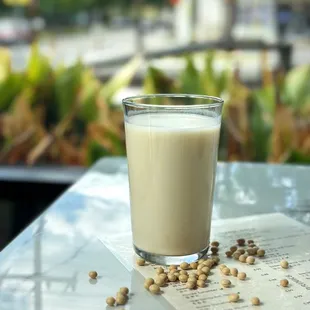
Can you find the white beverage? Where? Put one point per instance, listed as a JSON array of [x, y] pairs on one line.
[[172, 161]]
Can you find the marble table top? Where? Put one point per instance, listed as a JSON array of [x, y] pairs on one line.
[[46, 267]]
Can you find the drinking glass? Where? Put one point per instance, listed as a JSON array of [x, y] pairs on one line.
[[172, 144]]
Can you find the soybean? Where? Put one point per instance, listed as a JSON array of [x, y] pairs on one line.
[[234, 271], [233, 297], [191, 285], [260, 252], [284, 264], [160, 270], [250, 260], [184, 265], [225, 283], [93, 274], [215, 243], [121, 299], [148, 282], [241, 275], [140, 261], [255, 301], [110, 301], [194, 265], [284, 282], [154, 289]]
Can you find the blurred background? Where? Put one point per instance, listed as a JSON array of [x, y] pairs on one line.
[[66, 64]]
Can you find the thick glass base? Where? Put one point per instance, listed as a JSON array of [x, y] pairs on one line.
[[170, 260]]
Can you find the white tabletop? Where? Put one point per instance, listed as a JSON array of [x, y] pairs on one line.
[[46, 267]]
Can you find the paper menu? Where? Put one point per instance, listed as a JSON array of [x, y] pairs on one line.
[[280, 236]]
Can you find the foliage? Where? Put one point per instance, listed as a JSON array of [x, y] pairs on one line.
[[63, 114], [66, 115], [269, 123]]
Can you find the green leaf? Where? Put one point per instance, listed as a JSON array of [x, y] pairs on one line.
[[208, 68], [266, 99], [297, 87], [5, 63], [157, 82], [38, 67], [120, 80], [223, 79], [149, 86], [261, 132], [298, 158], [190, 78], [208, 78], [305, 109], [10, 88], [88, 110], [67, 84], [95, 151]]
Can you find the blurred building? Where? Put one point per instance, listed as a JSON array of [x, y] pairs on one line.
[[293, 19], [225, 19], [267, 20]]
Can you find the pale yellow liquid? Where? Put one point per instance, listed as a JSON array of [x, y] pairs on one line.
[[172, 162]]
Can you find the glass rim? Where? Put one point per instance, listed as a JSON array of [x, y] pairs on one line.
[[216, 101]]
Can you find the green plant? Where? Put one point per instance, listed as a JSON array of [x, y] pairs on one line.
[[62, 114], [269, 123], [66, 115]]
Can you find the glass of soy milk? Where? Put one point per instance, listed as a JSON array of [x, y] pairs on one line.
[[172, 143]]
